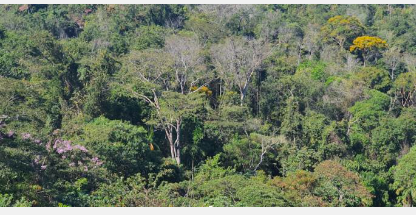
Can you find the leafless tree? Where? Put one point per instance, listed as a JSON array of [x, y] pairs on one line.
[[237, 60], [223, 13], [285, 34], [410, 61], [269, 26], [351, 62], [311, 39], [344, 94], [392, 58], [267, 144], [153, 67], [188, 61], [331, 53]]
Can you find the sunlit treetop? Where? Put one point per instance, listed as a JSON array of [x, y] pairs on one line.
[[342, 29], [368, 42]]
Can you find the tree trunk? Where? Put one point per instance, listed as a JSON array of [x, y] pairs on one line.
[[174, 144], [392, 74], [244, 91], [168, 132], [177, 142], [408, 202], [241, 99]]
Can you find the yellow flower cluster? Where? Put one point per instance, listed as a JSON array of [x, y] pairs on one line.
[[367, 42], [335, 19], [344, 20], [203, 89]]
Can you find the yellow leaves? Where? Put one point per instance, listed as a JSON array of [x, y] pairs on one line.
[[206, 90], [193, 88], [399, 191], [335, 19], [344, 20], [367, 42], [202, 89], [36, 187], [342, 29], [151, 147]]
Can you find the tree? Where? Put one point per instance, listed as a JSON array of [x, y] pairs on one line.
[[124, 148], [171, 110], [6, 201], [298, 188], [369, 46], [205, 27], [267, 29], [164, 80], [340, 186], [237, 61], [404, 178], [393, 137], [365, 115], [149, 37], [374, 78], [249, 154], [129, 192], [214, 185], [188, 62], [39, 167], [291, 120], [311, 40], [342, 30], [342, 93], [404, 88], [392, 57], [330, 184]]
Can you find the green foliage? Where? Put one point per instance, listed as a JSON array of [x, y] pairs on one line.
[[242, 153], [316, 68], [6, 201], [403, 88], [375, 78], [340, 186], [149, 37], [291, 123], [122, 146], [330, 185], [130, 192], [207, 105], [219, 187], [205, 27], [298, 189], [368, 112], [404, 178]]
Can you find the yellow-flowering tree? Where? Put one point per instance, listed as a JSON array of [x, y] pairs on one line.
[[342, 30], [368, 46]]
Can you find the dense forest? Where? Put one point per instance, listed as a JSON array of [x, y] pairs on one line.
[[207, 105]]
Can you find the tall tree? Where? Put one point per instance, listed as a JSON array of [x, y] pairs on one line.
[[342, 30], [161, 80], [369, 46], [392, 57], [237, 61], [188, 61]]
